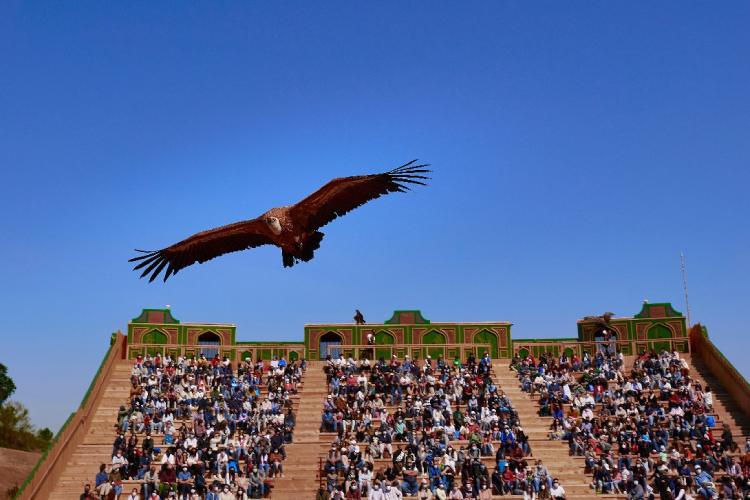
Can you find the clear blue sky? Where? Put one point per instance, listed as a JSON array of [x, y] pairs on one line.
[[577, 148]]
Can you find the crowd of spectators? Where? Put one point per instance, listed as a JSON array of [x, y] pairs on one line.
[[195, 428], [425, 429], [645, 431]]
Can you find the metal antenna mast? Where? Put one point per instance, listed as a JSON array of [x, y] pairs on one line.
[[685, 286]]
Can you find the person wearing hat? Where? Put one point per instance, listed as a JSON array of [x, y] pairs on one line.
[[704, 483], [329, 420], [541, 476], [184, 481]]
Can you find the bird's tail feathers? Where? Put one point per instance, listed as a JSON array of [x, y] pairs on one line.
[[288, 259], [307, 253]]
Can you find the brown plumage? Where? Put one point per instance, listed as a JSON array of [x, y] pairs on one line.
[[293, 228]]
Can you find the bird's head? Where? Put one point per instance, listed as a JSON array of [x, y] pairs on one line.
[[274, 224]]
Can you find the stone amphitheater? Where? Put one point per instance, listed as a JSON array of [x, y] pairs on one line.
[[625, 407]]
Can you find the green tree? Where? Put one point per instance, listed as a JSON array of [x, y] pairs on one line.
[[7, 386], [45, 438], [16, 430]]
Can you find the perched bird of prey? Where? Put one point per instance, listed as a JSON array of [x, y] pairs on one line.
[[294, 228]]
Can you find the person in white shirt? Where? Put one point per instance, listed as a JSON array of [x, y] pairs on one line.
[[168, 458], [118, 460], [440, 492], [708, 398], [392, 492], [191, 442], [365, 479], [455, 493], [587, 414], [557, 492], [376, 493]]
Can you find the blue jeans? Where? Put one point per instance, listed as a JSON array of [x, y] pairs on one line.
[[538, 481], [707, 492], [410, 486]]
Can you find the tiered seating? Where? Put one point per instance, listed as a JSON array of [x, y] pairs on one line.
[[644, 424], [192, 427], [423, 428]]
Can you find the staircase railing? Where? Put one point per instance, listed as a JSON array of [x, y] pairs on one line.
[[720, 367]]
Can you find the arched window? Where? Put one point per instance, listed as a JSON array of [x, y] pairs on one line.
[[486, 337], [384, 338], [154, 337], [212, 339], [660, 332], [607, 335], [434, 337], [330, 344]]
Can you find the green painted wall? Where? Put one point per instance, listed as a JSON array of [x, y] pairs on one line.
[[653, 318]]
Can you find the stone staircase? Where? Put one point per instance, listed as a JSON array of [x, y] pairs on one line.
[[301, 467], [302, 456], [727, 411], [554, 454], [96, 447], [570, 469]]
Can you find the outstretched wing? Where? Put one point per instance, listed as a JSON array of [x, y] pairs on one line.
[[202, 247], [344, 194]]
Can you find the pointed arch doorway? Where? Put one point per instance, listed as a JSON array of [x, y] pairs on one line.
[[486, 337], [209, 339], [330, 344]]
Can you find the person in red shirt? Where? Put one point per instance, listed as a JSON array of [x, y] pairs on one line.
[[168, 478], [510, 482]]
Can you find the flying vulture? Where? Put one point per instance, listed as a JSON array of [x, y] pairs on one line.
[[292, 228]]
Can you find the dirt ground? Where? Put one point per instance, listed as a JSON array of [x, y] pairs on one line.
[[14, 467]]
